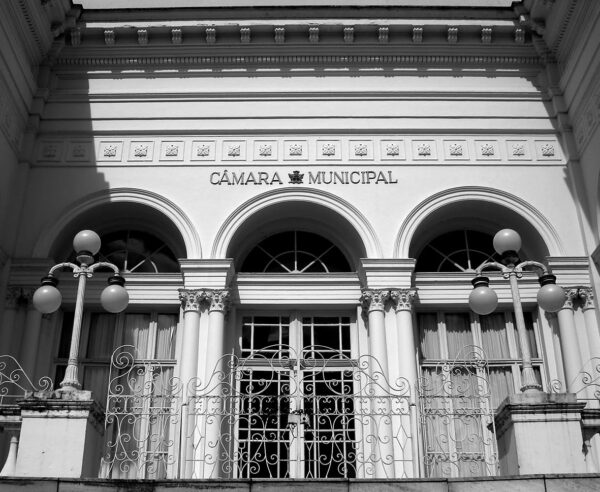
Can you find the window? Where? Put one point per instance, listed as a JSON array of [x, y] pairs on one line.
[[152, 334], [444, 336], [135, 251], [295, 252], [456, 251]]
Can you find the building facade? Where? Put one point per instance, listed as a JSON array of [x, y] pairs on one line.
[[298, 198]]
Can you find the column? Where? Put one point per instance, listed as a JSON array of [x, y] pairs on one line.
[[568, 341], [380, 434], [586, 294], [403, 301], [190, 304], [31, 337], [217, 376], [9, 331]]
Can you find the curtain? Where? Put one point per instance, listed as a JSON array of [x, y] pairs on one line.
[[494, 336], [165, 336], [429, 338], [101, 336], [530, 335], [501, 384], [458, 333], [137, 329]]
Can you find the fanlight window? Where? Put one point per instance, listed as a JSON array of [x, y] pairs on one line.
[[295, 252], [137, 252], [456, 251]]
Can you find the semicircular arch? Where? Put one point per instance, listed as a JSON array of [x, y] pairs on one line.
[[172, 215], [353, 220], [519, 212]]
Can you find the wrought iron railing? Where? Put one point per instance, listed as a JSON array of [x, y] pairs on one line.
[[457, 417], [312, 413], [142, 413]]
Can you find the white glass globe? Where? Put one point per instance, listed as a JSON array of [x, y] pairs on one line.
[[114, 298], [507, 240], [86, 241], [47, 299], [551, 297], [483, 300]]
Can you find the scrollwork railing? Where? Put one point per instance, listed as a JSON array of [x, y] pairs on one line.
[[457, 417], [142, 414], [313, 414], [15, 383]]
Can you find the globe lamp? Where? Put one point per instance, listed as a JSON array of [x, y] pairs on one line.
[[482, 299], [115, 298], [47, 298], [507, 240], [86, 241], [550, 297]]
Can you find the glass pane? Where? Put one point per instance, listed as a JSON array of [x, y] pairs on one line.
[[101, 336], [137, 328], [458, 333], [329, 336], [501, 384], [166, 336], [530, 335], [494, 336], [429, 338]]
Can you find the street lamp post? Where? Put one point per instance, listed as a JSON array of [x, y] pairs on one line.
[[484, 300], [48, 298]]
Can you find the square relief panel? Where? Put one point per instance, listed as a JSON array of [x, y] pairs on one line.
[[141, 150], [203, 150], [456, 150], [234, 150], [79, 151], [295, 150], [547, 150], [265, 150], [330, 150], [518, 150], [487, 150], [50, 151], [171, 150], [110, 150], [393, 149], [424, 150], [361, 150]]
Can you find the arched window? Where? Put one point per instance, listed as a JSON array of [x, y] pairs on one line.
[[456, 251], [134, 251], [295, 252]]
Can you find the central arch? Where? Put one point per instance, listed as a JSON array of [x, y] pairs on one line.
[[312, 210]]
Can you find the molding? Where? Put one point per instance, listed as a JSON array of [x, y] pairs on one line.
[[477, 193], [299, 194], [178, 217], [358, 149]]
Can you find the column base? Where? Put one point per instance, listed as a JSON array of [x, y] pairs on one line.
[[540, 433], [61, 435]]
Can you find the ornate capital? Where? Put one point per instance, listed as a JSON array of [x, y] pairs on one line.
[[14, 297], [374, 300], [571, 296], [191, 299], [403, 299], [586, 294], [219, 299]]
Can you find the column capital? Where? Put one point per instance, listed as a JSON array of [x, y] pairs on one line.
[[14, 297], [374, 299], [586, 294], [403, 299], [191, 299], [571, 295], [219, 299]]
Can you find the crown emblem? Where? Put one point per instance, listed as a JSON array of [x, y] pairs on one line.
[[296, 177]]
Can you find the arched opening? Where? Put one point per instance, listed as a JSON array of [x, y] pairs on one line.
[[137, 238], [322, 231]]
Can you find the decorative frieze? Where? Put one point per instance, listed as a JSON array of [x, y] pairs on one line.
[[435, 150], [348, 35], [313, 34], [383, 34], [245, 35], [176, 36]]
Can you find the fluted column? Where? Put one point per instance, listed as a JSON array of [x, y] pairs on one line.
[[215, 374], [586, 294], [190, 303], [407, 361], [568, 341], [381, 437]]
